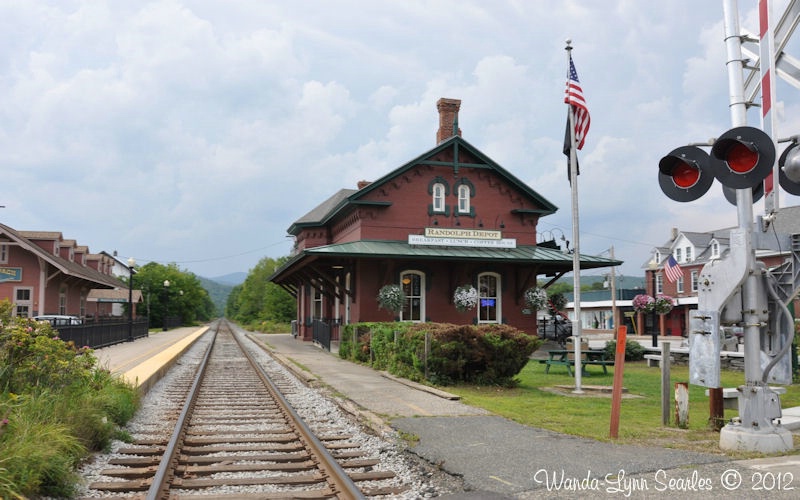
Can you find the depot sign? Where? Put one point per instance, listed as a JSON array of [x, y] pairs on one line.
[[457, 237]]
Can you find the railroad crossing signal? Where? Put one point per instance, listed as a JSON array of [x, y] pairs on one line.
[[684, 174], [741, 158], [789, 171]]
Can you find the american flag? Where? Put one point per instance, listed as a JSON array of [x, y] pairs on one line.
[[574, 97], [673, 270]]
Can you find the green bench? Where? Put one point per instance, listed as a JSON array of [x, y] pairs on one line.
[[590, 357]]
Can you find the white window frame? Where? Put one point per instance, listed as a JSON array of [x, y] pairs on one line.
[[679, 285], [498, 298], [695, 275], [407, 312], [715, 249], [463, 199], [659, 283], [23, 307], [438, 197], [678, 255], [688, 254], [317, 303]]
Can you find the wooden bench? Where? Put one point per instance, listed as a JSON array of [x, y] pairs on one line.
[[601, 362], [564, 357], [730, 396], [557, 361], [654, 360]]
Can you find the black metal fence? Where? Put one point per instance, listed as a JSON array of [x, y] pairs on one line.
[[323, 331], [171, 322], [103, 333]]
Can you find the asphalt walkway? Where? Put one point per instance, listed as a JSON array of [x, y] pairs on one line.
[[499, 458]]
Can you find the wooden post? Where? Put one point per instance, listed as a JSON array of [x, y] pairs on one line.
[[665, 385], [682, 404], [616, 394], [716, 407]]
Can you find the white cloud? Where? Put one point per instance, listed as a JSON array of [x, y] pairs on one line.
[[185, 131]]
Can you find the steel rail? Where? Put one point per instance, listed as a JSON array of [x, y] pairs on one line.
[[341, 483], [159, 488]]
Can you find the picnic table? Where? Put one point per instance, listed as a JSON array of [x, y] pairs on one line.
[[565, 357]]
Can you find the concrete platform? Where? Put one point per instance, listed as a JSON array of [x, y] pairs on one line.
[[144, 361]]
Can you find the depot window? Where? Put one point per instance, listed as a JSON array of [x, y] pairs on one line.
[[489, 302], [413, 285]]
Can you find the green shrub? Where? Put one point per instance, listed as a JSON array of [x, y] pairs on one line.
[[490, 354], [633, 350], [39, 454], [268, 326], [56, 406]]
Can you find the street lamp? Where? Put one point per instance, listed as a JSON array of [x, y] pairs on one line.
[[653, 265], [166, 305], [131, 263]]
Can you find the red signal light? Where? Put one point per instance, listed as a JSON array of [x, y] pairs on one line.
[[742, 157], [684, 174]]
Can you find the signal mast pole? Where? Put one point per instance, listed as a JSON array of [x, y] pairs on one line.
[[755, 430]]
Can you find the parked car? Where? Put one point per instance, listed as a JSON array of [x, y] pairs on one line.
[[556, 328], [59, 319]]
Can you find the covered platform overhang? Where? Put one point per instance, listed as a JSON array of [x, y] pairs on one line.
[[119, 296], [315, 265]]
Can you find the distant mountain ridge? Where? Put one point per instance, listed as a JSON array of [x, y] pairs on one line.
[[232, 279], [219, 288]]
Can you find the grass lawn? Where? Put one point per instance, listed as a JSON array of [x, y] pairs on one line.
[[533, 403]]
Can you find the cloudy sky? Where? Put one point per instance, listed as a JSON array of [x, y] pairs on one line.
[[196, 132]]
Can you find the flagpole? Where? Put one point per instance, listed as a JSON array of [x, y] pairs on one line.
[[576, 259]]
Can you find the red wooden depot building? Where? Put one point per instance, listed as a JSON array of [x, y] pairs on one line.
[[41, 272], [450, 217]]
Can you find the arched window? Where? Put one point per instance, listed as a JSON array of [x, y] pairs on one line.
[[413, 284], [438, 197], [463, 199], [490, 292]]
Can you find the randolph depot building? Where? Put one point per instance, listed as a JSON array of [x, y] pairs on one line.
[[447, 218]]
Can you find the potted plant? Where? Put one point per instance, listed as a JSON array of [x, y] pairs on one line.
[[663, 304], [465, 298], [391, 298], [536, 298], [643, 303]]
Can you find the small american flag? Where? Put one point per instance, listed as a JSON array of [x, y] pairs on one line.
[[673, 270], [574, 97]]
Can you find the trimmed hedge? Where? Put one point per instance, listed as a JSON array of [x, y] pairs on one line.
[[633, 350], [484, 354]]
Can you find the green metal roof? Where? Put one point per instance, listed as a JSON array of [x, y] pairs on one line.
[[400, 249], [550, 260]]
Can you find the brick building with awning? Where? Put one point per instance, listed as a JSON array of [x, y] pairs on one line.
[[41, 272], [450, 217]]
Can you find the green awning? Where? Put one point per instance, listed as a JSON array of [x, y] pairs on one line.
[[550, 260]]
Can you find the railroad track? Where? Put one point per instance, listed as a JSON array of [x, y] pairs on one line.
[[236, 436]]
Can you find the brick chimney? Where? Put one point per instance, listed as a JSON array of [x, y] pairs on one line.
[[363, 184], [448, 118]]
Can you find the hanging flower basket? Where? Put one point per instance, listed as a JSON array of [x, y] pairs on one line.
[[536, 298], [465, 298], [556, 303], [643, 303], [663, 304], [391, 298]]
